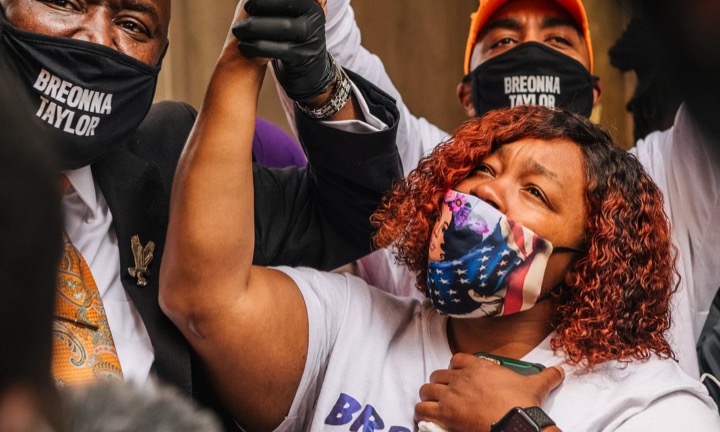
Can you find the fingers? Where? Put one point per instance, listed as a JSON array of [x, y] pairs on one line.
[[548, 380], [432, 392], [280, 7], [462, 360], [441, 376], [427, 411], [286, 52], [429, 408], [271, 28], [265, 49]]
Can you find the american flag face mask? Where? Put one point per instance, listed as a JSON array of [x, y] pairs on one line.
[[482, 263]]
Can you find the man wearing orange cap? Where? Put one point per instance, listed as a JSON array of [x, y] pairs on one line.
[[528, 52], [539, 52], [552, 65]]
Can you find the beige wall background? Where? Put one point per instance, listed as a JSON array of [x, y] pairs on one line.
[[421, 42]]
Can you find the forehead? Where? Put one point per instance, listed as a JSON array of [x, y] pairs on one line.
[[160, 9], [560, 160], [526, 10], [525, 15]]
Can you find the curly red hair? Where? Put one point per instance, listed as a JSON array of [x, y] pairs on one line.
[[616, 306]]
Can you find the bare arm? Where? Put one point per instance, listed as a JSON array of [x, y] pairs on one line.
[[248, 324]]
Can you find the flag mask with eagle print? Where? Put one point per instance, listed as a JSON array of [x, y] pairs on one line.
[[482, 263]]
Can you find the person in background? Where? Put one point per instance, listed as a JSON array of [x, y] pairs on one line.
[[274, 148], [128, 407], [30, 228], [686, 158], [656, 98], [88, 71]]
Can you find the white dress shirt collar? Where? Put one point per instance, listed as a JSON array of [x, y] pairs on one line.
[[82, 181]]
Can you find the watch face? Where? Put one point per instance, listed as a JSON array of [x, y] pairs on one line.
[[516, 421]]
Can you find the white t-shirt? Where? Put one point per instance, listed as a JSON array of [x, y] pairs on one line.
[[369, 352]]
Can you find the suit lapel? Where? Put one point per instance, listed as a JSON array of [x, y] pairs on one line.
[[139, 204]]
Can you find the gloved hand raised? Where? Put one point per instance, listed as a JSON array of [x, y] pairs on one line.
[[292, 33]]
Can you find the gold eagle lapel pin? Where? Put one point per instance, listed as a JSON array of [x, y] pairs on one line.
[[143, 257]]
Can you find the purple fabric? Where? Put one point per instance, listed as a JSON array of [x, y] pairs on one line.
[[274, 148]]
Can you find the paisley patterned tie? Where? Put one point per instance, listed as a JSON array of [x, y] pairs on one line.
[[83, 348]]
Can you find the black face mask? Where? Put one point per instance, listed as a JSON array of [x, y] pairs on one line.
[[532, 74], [83, 99]]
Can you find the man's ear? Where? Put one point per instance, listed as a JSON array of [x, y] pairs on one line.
[[464, 93], [597, 91], [164, 53]]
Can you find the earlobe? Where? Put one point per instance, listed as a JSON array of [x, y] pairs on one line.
[[464, 93], [164, 52]]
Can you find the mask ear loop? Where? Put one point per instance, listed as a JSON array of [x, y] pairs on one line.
[[549, 293], [568, 249], [560, 249]]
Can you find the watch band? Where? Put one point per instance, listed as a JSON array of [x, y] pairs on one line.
[[539, 416], [338, 98], [523, 419]]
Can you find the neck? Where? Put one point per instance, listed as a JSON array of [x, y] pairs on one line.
[[510, 336]]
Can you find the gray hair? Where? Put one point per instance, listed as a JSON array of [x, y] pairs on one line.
[[125, 407]]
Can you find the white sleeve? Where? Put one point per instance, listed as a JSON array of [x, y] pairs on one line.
[[370, 125], [680, 411], [416, 136], [685, 163], [694, 194]]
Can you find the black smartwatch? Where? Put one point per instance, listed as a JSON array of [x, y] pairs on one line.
[[518, 419]]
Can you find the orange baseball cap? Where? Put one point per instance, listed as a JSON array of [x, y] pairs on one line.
[[488, 7]]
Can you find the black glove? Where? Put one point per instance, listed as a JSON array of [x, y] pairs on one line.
[[292, 33]]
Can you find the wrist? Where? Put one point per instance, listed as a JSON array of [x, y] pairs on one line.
[[332, 101], [532, 419], [322, 99]]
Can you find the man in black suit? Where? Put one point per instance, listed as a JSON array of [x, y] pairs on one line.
[[89, 69]]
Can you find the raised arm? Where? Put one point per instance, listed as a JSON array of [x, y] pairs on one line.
[[247, 324], [319, 217], [416, 135]]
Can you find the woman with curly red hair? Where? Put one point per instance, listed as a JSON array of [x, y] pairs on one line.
[[532, 237], [613, 303]]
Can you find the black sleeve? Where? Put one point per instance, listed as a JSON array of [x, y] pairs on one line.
[[708, 349], [319, 216]]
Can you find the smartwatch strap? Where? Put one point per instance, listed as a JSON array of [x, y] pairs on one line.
[[538, 415]]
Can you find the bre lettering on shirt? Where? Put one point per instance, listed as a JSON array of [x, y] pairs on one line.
[[344, 412], [61, 101]]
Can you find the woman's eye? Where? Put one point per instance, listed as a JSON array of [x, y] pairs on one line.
[[484, 169], [537, 193]]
